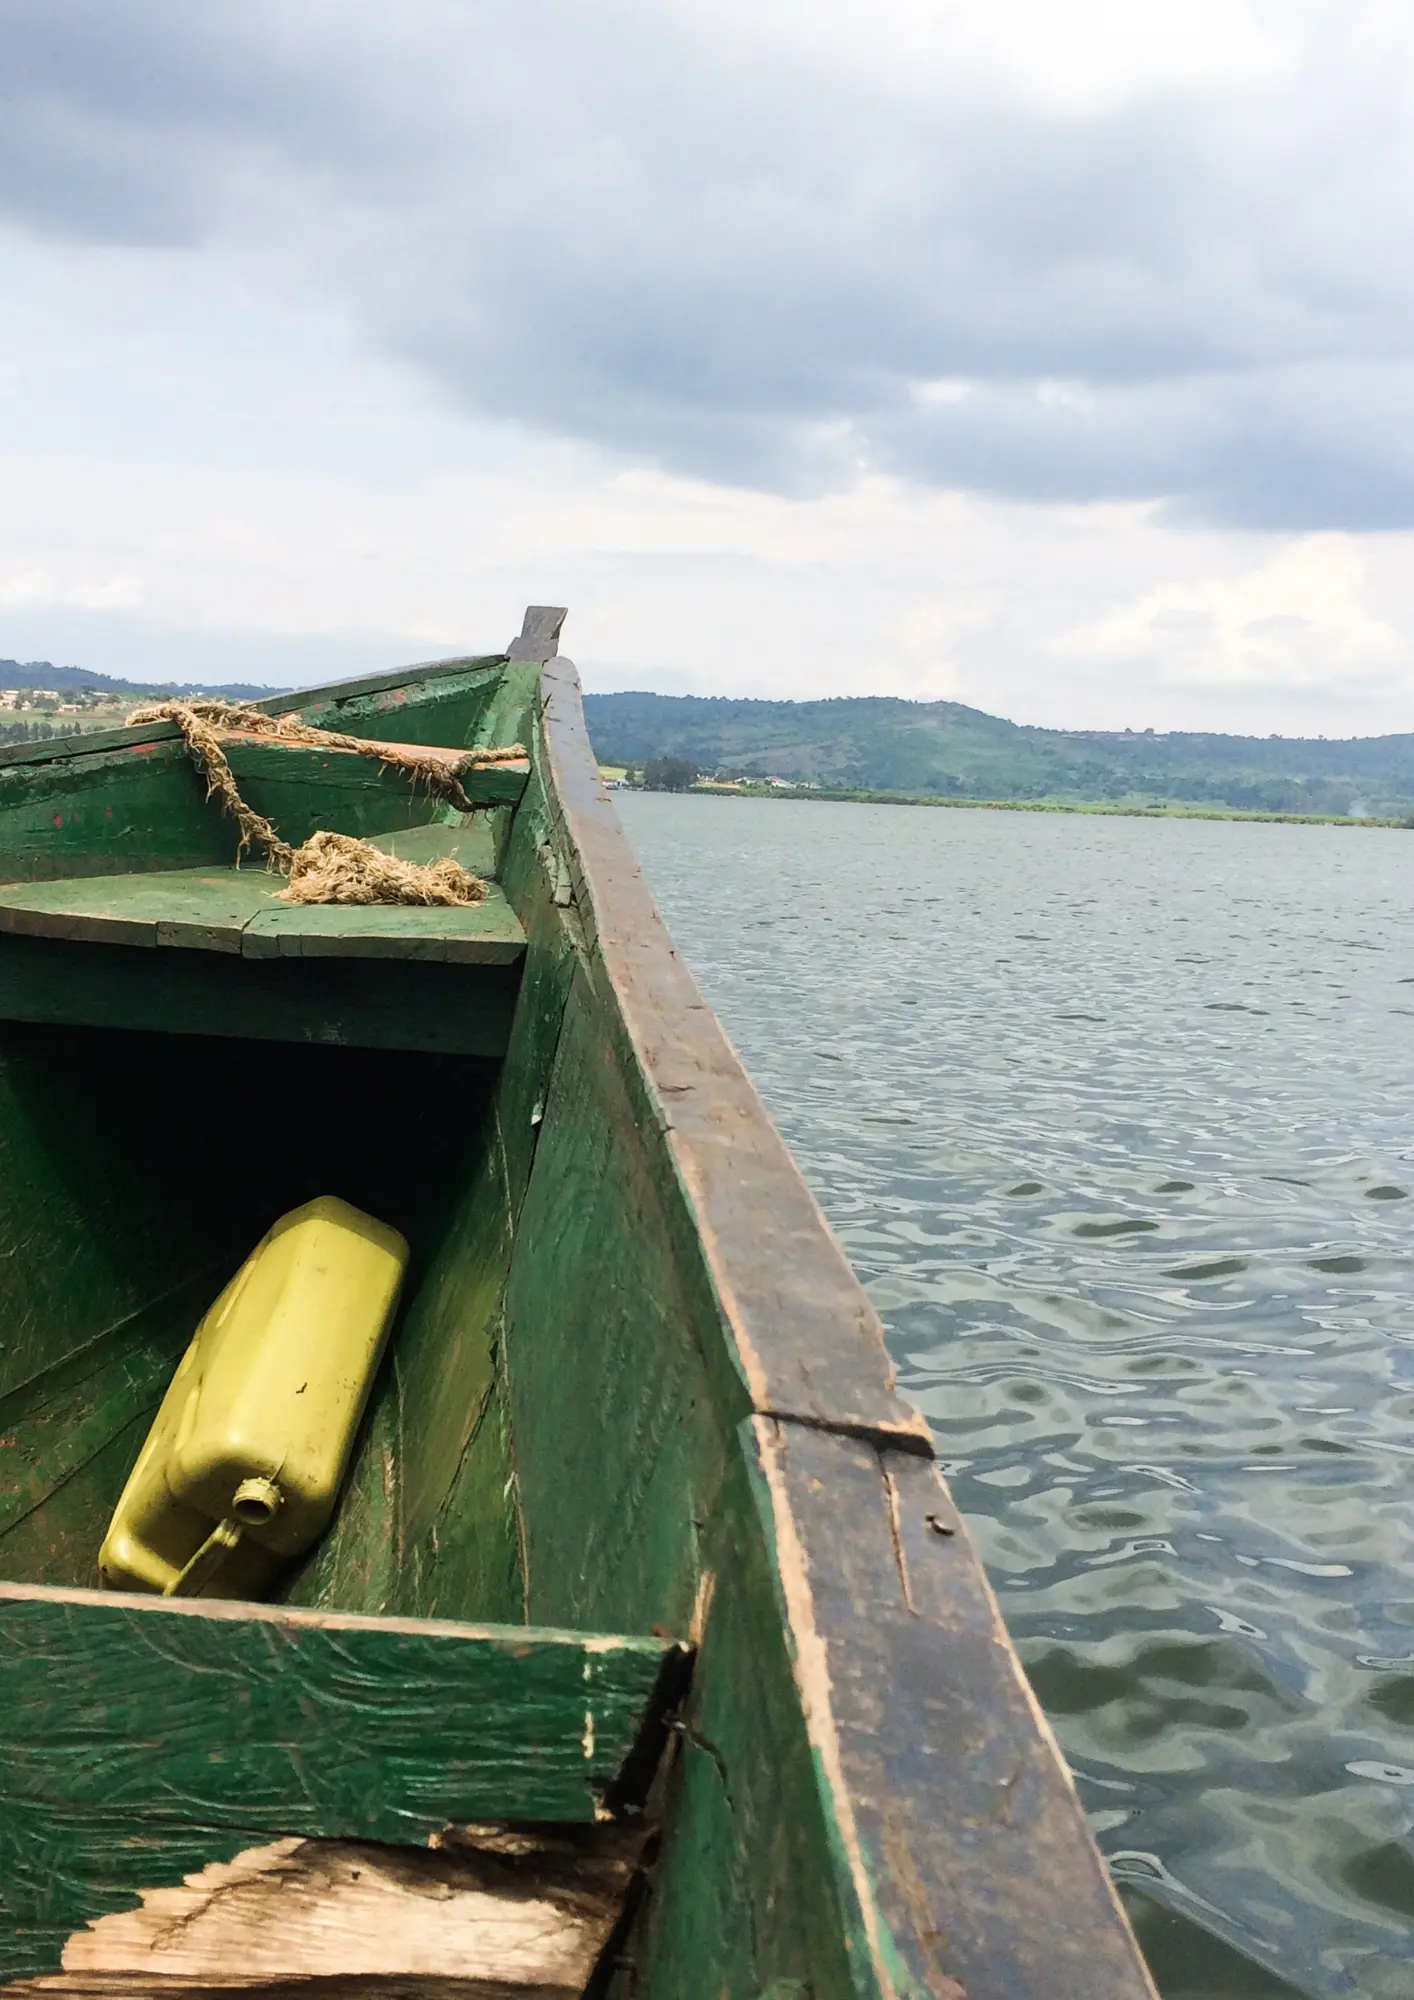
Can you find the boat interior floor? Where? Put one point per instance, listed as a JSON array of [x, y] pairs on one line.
[[274, 1784], [156, 1164]]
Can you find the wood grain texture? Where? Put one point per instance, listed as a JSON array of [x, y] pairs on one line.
[[630, 1340], [439, 703], [302, 787], [60, 1431], [237, 911], [539, 636], [744, 1891], [334, 1001], [132, 1725], [510, 713], [535, 881], [793, 1317], [138, 805], [487, 1912], [461, 1549], [132, 799], [912, 1694], [92, 1159], [549, 970], [144, 807], [460, 1554], [618, 1447], [865, 1799]]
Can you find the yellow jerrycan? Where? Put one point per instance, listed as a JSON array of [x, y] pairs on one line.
[[242, 1467]]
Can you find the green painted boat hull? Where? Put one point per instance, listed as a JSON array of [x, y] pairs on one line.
[[637, 1531]]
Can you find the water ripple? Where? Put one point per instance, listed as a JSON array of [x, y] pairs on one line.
[[1116, 1121]]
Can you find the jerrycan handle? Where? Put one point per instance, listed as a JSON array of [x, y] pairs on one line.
[[224, 1537], [254, 1504]]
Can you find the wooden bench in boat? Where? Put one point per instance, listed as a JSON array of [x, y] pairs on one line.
[[115, 845], [261, 1748], [238, 910]]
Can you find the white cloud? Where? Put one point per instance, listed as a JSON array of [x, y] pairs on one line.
[[27, 587], [801, 349], [922, 649], [1167, 245], [1083, 55], [939, 394], [1297, 621]]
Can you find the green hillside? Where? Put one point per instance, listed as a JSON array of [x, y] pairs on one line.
[[79, 680], [39, 701], [945, 748]]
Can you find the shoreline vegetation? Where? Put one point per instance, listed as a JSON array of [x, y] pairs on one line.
[[1107, 808], [1112, 809], [944, 753], [40, 702], [677, 777]]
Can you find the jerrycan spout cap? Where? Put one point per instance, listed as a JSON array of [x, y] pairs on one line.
[[256, 1502]]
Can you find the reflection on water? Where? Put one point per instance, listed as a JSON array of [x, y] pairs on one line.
[[1116, 1120]]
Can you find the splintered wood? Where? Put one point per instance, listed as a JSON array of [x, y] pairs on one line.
[[490, 1914]]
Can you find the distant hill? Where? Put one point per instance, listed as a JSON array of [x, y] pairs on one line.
[[78, 680], [879, 743]]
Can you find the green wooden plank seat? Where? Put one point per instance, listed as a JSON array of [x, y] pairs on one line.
[[237, 910], [141, 1739], [243, 963]]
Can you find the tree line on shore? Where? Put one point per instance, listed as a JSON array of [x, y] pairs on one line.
[[947, 750]]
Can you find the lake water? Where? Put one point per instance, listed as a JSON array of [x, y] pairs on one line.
[[1115, 1119]]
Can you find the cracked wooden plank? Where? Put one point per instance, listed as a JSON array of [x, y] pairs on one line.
[[489, 1912], [671, 1277], [320, 779], [132, 1728]]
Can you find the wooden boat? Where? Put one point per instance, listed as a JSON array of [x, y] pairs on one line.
[[646, 1654]]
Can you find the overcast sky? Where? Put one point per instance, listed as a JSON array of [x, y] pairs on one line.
[[1052, 355]]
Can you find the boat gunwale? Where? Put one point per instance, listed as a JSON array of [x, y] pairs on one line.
[[922, 1899], [713, 1116], [56, 749]]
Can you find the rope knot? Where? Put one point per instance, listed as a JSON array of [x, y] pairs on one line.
[[329, 867]]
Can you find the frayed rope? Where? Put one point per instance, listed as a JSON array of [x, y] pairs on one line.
[[329, 867]]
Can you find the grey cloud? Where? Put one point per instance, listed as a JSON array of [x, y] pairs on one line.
[[1296, 446], [607, 223]]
